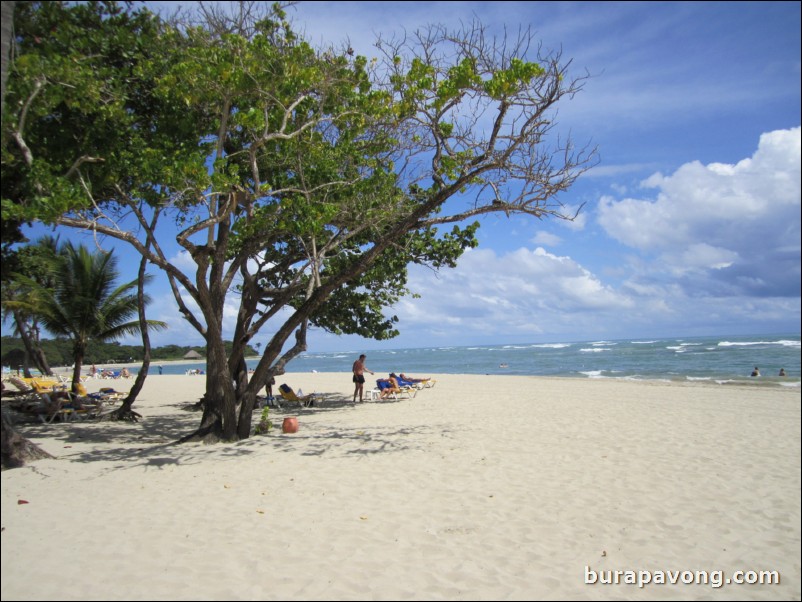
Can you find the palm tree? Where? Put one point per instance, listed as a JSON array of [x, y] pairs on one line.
[[84, 305], [35, 260]]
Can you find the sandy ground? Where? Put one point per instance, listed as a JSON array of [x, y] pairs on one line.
[[481, 488]]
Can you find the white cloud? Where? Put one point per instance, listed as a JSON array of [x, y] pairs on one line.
[[542, 237], [521, 293], [705, 257], [184, 262], [740, 220]]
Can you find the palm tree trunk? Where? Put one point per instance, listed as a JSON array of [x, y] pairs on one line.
[[79, 352]]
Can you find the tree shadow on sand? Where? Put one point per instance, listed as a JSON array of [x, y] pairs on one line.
[[152, 441]]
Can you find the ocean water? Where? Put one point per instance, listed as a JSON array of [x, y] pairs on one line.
[[722, 360]]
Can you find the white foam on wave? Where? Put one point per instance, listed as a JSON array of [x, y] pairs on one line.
[[782, 343], [595, 350], [614, 375]]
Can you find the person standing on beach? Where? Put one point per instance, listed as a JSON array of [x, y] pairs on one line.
[[269, 387], [359, 370]]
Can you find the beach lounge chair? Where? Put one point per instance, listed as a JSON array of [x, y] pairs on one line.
[[287, 394], [381, 385], [419, 383], [64, 407], [414, 384], [35, 385], [48, 408], [45, 384], [60, 405], [384, 383], [408, 388], [20, 384], [107, 394]]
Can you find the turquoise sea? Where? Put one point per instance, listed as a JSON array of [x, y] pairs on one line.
[[721, 359]]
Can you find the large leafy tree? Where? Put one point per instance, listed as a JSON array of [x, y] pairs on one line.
[[311, 179], [85, 303]]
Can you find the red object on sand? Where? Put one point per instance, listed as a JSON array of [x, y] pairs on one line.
[[290, 425], [22, 502]]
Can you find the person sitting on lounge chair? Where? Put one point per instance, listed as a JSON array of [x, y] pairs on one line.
[[407, 385], [286, 393], [389, 386], [405, 382]]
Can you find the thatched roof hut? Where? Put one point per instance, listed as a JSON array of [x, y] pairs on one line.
[[193, 355]]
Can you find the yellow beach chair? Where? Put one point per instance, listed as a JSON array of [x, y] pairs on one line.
[[287, 394]]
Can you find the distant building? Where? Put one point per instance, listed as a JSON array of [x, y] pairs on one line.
[[193, 355]]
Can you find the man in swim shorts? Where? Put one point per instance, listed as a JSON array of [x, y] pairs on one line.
[[359, 370]]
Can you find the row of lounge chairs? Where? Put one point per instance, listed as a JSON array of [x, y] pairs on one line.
[[402, 387], [49, 399], [39, 384], [407, 387], [107, 374]]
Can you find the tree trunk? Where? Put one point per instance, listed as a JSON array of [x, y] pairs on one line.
[[219, 420], [33, 352], [220, 387], [16, 450], [79, 351], [7, 35], [247, 404], [125, 411], [265, 370]]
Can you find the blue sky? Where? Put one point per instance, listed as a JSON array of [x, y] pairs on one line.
[[691, 222]]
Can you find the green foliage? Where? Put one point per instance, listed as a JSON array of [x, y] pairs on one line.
[[82, 117], [59, 352], [461, 77], [510, 81], [169, 97], [359, 308], [264, 426]]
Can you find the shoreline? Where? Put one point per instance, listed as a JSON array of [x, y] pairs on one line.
[[792, 383], [481, 487]]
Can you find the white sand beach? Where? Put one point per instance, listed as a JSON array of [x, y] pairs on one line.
[[481, 488]]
